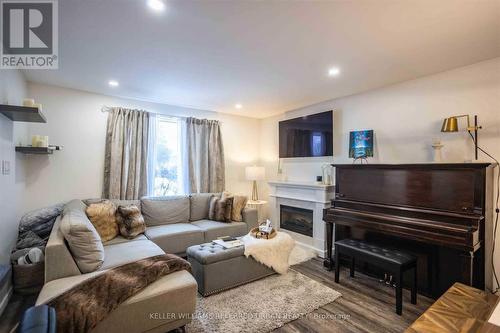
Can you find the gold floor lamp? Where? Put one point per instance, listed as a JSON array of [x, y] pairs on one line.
[[255, 173], [451, 125]]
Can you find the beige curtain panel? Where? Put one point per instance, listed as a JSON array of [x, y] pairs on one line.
[[205, 156], [126, 154]]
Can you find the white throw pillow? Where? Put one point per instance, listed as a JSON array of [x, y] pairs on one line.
[[84, 242]]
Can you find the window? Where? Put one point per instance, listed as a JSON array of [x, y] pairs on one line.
[[318, 144], [167, 159]]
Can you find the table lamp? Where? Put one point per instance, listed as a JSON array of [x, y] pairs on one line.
[[255, 173], [451, 125]]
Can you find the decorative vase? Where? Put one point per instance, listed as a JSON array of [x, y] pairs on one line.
[[436, 145]]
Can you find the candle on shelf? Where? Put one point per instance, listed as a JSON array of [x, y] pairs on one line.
[[39, 141], [44, 141], [29, 102], [34, 140]]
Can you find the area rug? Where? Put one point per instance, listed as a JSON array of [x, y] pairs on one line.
[[261, 306]]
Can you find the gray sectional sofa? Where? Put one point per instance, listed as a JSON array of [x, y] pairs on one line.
[[176, 223], [173, 224]]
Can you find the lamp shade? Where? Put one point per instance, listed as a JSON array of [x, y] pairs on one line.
[[255, 173], [450, 125]]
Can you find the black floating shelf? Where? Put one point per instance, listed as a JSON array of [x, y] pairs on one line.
[[22, 113], [37, 150]]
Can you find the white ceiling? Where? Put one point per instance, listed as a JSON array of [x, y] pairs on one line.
[[270, 56]]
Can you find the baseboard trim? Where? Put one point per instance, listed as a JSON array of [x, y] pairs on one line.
[[319, 253]]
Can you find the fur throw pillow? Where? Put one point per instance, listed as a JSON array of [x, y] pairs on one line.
[[220, 209], [239, 203], [130, 221], [102, 216]]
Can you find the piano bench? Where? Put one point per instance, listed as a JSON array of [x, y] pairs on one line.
[[392, 260]]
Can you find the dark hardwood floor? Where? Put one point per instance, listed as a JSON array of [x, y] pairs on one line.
[[366, 305], [14, 310]]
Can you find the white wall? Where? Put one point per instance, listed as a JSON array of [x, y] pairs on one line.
[[12, 91], [405, 118], [75, 121]]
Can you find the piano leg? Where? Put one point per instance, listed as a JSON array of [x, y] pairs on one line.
[[467, 263], [351, 267], [328, 262], [399, 293]]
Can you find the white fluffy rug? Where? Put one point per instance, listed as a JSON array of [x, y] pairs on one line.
[[274, 252], [300, 254], [261, 306]]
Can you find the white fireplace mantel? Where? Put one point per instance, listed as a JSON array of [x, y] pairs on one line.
[[312, 196]]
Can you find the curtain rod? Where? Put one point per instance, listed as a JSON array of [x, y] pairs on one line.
[[106, 108]]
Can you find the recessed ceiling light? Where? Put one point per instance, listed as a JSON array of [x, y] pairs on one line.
[[113, 83], [238, 106], [334, 71], [156, 5]]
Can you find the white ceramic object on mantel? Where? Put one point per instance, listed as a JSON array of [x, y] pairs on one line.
[[437, 146], [327, 174], [281, 172]]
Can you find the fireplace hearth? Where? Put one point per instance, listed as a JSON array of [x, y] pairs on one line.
[[296, 219]]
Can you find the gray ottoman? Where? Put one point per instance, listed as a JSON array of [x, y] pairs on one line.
[[216, 268]]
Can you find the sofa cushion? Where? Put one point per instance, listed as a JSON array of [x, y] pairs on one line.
[[175, 238], [165, 210], [173, 295], [102, 215], [83, 240], [214, 229], [123, 253], [59, 261], [170, 301], [200, 203]]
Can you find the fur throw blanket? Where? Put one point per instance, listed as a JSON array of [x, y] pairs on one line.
[[82, 307], [273, 253]]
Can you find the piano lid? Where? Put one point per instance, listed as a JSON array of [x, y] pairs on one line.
[[475, 165], [446, 187]]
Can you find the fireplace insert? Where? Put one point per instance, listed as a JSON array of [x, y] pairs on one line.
[[297, 220]]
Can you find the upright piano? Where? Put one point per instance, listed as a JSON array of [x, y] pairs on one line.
[[439, 212]]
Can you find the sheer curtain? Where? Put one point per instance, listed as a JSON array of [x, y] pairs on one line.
[[194, 146], [166, 167]]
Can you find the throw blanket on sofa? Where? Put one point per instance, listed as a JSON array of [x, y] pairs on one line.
[[35, 227], [82, 307], [273, 253]]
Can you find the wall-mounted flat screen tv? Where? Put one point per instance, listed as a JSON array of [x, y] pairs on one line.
[[307, 136]]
